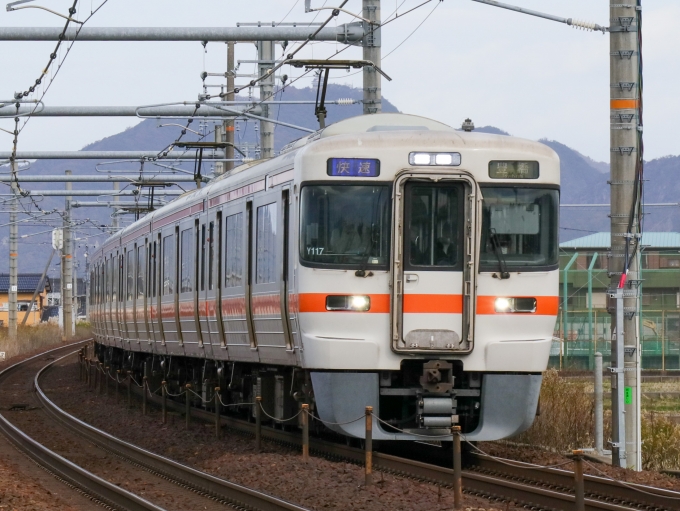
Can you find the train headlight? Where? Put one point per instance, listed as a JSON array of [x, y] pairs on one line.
[[355, 303], [434, 159], [521, 305]]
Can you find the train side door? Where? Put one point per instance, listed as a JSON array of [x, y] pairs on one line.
[[169, 296], [141, 304], [267, 261], [236, 238], [433, 264]]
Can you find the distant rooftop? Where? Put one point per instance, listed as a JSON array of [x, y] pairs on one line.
[[26, 282], [603, 240]]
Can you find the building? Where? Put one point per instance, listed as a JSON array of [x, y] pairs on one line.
[[26, 285], [583, 326]]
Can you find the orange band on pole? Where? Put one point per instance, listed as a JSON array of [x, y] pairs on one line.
[[13, 254], [624, 104]]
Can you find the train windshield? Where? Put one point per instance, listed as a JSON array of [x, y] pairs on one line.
[[519, 228], [345, 226]]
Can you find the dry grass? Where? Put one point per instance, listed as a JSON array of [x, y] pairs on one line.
[[566, 415], [32, 338], [566, 422], [660, 443]]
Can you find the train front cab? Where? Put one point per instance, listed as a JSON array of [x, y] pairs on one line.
[[467, 296]]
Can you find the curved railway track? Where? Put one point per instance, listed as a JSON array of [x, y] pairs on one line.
[[505, 480], [181, 486]]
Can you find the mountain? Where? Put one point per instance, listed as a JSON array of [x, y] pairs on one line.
[[584, 181]]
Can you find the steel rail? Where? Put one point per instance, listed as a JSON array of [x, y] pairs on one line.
[[600, 487], [475, 483], [65, 469], [233, 493]]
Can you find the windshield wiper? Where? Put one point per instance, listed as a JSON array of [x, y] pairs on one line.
[[496, 245]]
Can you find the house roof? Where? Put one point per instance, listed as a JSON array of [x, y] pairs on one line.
[[602, 240], [26, 282]]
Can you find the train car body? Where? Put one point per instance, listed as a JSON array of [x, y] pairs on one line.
[[387, 260]]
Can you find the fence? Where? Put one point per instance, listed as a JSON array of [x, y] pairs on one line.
[[659, 339]]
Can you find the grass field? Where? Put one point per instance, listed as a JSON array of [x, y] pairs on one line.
[[32, 338]]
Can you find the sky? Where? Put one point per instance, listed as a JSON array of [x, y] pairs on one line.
[[531, 77]]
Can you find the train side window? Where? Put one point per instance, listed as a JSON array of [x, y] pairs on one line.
[[234, 251], [130, 270], [121, 277], [154, 269], [202, 258], [168, 265], [265, 269], [140, 272], [107, 278], [187, 262], [211, 254], [113, 274]]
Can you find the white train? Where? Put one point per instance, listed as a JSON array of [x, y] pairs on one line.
[[386, 260]]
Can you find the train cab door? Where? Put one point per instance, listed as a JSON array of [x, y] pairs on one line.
[[433, 258]]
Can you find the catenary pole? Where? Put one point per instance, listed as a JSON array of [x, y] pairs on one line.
[[265, 54], [67, 267], [115, 220], [626, 127], [372, 52], [229, 123], [12, 312]]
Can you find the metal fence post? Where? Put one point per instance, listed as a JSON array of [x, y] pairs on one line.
[[305, 432], [144, 385], [579, 490], [187, 406], [106, 377], [118, 373], [129, 389], [95, 380], [258, 424], [164, 401], [368, 447], [457, 469], [100, 370], [217, 413], [599, 410], [80, 365]]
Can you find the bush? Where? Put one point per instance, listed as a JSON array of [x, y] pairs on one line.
[[566, 415], [660, 443]]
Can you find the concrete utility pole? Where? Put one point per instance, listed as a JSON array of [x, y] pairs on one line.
[[626, 133], [87, 283], [13, 256], [229, 124], [372, 52], [67, 268], [115, 222], [265, 55]]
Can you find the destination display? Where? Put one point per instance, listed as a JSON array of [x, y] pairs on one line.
[[513, 169], [353, 167]]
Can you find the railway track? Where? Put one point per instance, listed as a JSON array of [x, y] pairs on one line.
[[504, 480], [180, 486]]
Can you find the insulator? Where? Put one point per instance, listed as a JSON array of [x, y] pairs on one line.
[[345, 101], [585, 25]]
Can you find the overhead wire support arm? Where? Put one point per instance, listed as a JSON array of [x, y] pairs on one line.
[[568, 21]]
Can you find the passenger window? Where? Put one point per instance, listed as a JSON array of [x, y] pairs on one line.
[[203, 258], [266, 244], [211, 254], [187, 265], [234, 251], [140, 272], [168, 265], [130, 275], [114, 278], [433, 225]]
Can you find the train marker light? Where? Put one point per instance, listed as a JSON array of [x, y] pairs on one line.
[[520, 305], [357, 303], [433, 159]]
